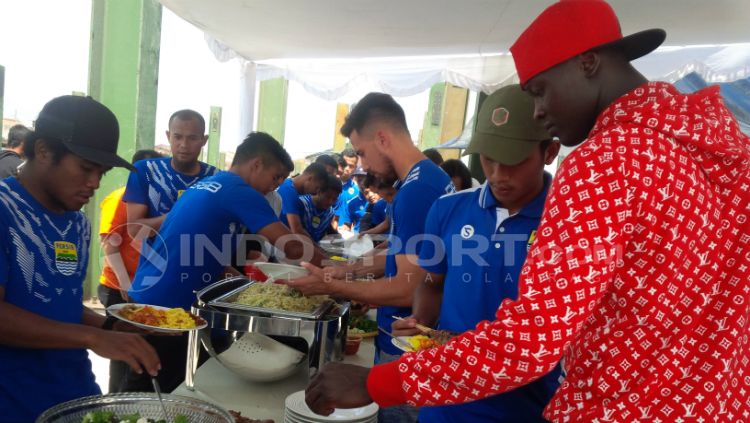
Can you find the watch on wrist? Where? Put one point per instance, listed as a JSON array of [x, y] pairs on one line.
[[109, 323]]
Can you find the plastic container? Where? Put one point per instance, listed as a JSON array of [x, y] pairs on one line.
[[352, 345]]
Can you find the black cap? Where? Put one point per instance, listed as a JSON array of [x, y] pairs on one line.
[[85, 126]]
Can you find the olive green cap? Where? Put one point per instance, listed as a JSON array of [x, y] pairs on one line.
[[506, 130]]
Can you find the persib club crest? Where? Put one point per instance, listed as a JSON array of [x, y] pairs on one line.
[[66, 257]]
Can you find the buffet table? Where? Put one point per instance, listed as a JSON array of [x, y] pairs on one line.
[[257, 400]]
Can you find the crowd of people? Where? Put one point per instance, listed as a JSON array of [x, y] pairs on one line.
[[615, 290]]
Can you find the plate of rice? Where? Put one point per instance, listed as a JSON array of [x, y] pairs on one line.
[[157, 318]]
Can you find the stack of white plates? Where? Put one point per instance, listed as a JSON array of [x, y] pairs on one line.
[[298, 412]]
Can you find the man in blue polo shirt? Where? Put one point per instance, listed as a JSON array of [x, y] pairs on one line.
[[318, 209], [306, 183], [155, 186], [479, 240], [202, 235], [356, 207], [44, 328], [349, 188], [377, 130]]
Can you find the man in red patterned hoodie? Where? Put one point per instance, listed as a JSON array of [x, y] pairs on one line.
[[638, 277]]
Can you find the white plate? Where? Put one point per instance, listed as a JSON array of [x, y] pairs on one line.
[[281, 271], [296, 408], [401, 343], [114, 310]]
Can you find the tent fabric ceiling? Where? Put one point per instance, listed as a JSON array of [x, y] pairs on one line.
[[285, 29], [404, 47]]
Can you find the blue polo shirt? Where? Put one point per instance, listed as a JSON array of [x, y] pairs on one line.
[[481, 253], [355, 209], [315, 220], [423, 185], [290, 200], [43, 259], [199, 237], [158, 185], [349, 190]]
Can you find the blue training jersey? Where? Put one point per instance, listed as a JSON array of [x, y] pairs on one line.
[[198, 239], [158, 185], [315, 221], [43, 259], [423, 185]]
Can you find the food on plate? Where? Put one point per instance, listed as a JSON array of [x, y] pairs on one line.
[[173, 318], [436, 338], [280, 297], [363, 326], [239, 418], [110, 417]]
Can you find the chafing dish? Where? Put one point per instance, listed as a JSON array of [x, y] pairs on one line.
[[320, 335]]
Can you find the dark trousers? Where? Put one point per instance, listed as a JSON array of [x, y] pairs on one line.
[[117, 369]]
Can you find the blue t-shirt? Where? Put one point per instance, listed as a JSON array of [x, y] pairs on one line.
[[481, 251], [423, 185], [290, 200], [43, 259], [349, 190], [198, 239], [158, 185], [315, 220], [355, 209], [379, 213]]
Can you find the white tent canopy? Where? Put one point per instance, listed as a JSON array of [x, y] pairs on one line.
[[404, 47]]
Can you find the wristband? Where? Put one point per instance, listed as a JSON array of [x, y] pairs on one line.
[[109, 323]]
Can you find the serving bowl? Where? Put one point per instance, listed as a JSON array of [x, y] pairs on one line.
[[144, 403]]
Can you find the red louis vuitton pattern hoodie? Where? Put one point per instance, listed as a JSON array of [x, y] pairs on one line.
[[638, 279]]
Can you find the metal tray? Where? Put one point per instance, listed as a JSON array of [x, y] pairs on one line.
[[227, 301]]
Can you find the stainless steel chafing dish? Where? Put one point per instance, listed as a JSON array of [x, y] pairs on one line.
[[320, 334]]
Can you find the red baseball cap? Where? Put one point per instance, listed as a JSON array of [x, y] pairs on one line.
[[571, 27]]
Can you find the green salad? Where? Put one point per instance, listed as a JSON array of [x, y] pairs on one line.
[[110, 417], [360, 325]]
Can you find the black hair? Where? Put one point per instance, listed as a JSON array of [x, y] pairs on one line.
[[331, 183], [260, 144], [374, 107], [455, 167], [188, 114], [55, 146], [317, 170], [339, 159], [434, 155], [370, 181], [348, 152], [327, 160], [17, 135], [145, 154]]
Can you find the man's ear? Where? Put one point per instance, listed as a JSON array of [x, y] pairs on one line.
[[589, 63], [167, 134], [205, 140]]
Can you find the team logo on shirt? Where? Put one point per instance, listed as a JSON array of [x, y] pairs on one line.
[[467, 231], [180, 192], [315, 221], [66, 257], [351, 190]]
